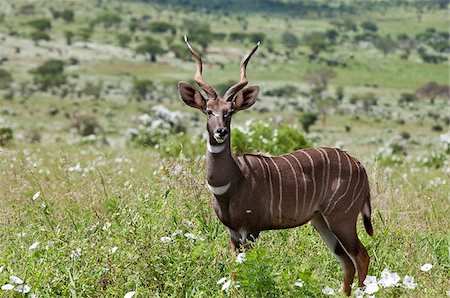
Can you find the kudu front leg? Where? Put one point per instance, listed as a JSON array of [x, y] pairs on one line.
[[241, 242]]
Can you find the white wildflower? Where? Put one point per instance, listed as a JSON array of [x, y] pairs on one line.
[[106, 226], [129, 294], [7, 287], [177, 232], [188, 223], [165, 239], [240, 258], [1, 269], [408, 282], [226, 285], [371, 288], [299, 283], [22, 234], [23, 289], [34, 245], [388, 279], [426, 267], [370, 280], [328, 291], [359, 293], [222, 280], [189, 236], [36, 196], [15, 280], [114, 249]]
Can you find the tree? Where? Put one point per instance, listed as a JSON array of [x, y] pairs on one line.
[[201, 31], [162, 27], [109, 19], [385, 44], [37, 36], [290, 40], [369, 26], [324, 106], [133, 25], [150, 47], [123, 39], [432, 90], [307, 119], [331, 35], [68, 15], [5, 79], [316, 41], [41, 24], [85, 33], [49, 74], [257, 36], [68, 35], [407, 44], [319, 77], [141, 88]]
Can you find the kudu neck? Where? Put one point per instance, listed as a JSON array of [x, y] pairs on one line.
[[221, 167]]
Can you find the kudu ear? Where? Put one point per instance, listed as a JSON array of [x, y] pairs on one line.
[[191, 96], [245, 98]]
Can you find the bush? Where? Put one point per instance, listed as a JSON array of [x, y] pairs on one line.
[[85, 125], [285, 91], [5, 79], [163, 131], [393, 152], [265, 137], [6, 135], [141, 88], [308, 119], [437, 127], [49, 74]]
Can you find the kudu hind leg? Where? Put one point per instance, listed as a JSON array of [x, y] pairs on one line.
[[348, 238], [346, 263]]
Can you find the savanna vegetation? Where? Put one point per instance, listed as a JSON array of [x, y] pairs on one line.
[[102, 185]]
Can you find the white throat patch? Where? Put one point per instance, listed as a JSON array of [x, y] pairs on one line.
[[219, 190], [215, 149]]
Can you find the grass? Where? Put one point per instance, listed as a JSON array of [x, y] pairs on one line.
[[75, 257]]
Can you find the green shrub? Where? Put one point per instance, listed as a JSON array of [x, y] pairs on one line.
[[308, 119], [6, 135], [5, 79], [265, 137]]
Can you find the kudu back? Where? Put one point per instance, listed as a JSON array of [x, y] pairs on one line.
[[256, 192]]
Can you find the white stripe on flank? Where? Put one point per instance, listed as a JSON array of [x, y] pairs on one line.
[[271, 187], [348, 182], [219, 190], [328, 175], [296, 183], [323, 178], [313, 177], [355, 198], [305, 191], [215, 149], [281, 188], [338, 181], [354, 191]]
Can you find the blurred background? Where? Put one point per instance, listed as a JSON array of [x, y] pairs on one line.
[[346, 72], [91, 122]]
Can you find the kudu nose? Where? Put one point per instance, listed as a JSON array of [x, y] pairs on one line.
[[222, 132]]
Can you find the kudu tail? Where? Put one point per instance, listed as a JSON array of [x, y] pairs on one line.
[[366, 213]]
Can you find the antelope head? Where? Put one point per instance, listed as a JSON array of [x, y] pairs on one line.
[[218, 110]]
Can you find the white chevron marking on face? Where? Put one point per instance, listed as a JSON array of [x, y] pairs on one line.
[[219, 190], [215, 149]]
